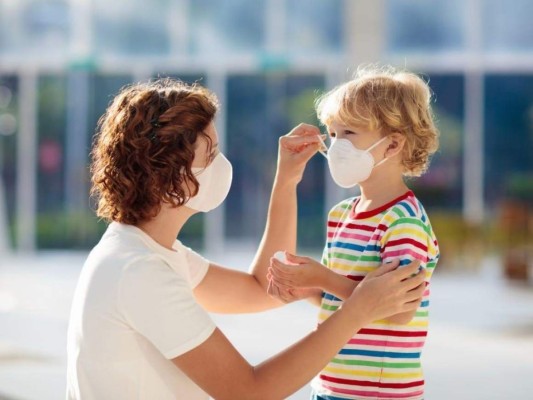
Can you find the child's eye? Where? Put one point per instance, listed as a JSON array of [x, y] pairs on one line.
[[347, 132], [331, 134]]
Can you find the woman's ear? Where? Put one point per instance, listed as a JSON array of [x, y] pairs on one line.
[[396, 143]]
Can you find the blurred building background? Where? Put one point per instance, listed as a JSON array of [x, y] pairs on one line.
[[61, 61]]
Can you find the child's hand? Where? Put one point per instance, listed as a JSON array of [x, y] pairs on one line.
[[295, 149], [301, 272], [293, 294]]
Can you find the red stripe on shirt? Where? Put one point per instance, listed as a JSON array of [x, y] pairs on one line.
[[402, 241], [372, 384], [388, 332]]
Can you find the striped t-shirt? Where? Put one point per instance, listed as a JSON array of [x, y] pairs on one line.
[[382, 360]]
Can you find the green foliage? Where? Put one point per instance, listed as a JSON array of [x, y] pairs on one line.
[[462, 245], [520, 187], [60, 230], [312, 233], [300, 108]]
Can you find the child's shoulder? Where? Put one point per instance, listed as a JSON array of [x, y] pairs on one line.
[[342, 206], [408, 207]]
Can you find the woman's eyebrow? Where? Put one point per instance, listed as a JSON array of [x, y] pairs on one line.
[[214, 149]]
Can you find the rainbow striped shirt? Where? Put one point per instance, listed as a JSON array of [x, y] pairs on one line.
[[382, 360]]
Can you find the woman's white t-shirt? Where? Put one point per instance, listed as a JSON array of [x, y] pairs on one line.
[[133, 311]]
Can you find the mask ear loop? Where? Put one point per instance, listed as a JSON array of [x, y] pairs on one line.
[[323, 148], [373, 146]]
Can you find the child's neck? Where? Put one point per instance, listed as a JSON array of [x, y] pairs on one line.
[[378, 192]]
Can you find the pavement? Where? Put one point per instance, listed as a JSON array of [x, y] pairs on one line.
[[480, 343]]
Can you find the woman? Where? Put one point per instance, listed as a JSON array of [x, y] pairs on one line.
[[139, 325]]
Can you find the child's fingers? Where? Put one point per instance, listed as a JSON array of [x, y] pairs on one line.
[[296, 259], [281, 293], [280, 278], [284, 268], [282, 285]]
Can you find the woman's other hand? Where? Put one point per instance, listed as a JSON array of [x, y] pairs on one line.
[[388, 291]]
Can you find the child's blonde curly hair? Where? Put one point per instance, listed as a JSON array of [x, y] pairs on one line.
[[386, 100]]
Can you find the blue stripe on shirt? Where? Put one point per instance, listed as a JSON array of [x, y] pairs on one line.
[[344, 245], [372, 353]]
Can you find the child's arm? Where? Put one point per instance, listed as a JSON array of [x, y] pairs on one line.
[[405, 317], [304, 272], [410, 238]]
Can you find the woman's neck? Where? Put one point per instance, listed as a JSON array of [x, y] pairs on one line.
[[165, 227]]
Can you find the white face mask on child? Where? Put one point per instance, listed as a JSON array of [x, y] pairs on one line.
[[349, 165], [215, 182]]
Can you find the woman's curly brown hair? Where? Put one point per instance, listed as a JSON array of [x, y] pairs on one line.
[[144, 148], [387, 100]]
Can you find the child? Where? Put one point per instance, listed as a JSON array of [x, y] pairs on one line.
[[381, 130]]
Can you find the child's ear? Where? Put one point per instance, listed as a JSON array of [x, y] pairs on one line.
[[396, 143]]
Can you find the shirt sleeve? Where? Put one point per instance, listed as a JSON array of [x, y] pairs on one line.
[[158, 303], [408, 239], [198, 266]]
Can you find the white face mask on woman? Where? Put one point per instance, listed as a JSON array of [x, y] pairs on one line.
[[349, 165], [215, 182]]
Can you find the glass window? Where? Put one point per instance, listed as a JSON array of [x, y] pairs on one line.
[[261, 108], [34, 25], [441, 186], [230, 25], [507, 25], [508, 138], [8, 152], [314, 25], [440, 189], [430, 25], [51, 221], [131, 27]]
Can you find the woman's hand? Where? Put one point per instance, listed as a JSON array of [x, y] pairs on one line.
[[295, 149], [301, 272], [388, 291]]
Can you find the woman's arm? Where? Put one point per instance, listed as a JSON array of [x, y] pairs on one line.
[[249, 291], [295, 150], [223, 373]]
